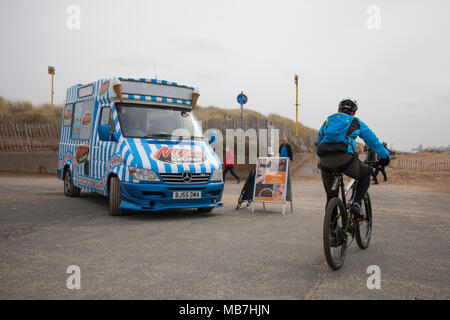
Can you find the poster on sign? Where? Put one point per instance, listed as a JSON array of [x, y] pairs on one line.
[[271, 180]]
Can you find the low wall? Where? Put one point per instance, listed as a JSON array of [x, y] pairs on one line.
[[47, 162], [26, 162]]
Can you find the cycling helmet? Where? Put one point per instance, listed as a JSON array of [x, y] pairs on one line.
[[348, 106]]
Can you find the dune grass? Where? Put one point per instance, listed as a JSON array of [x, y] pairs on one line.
[[26, 112], [211, 112]]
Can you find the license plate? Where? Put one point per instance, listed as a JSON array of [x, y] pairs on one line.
[[187, 195]]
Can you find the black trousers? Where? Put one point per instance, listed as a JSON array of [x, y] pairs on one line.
[[357, 170], [378, 169], [231, 169], [372, 173]]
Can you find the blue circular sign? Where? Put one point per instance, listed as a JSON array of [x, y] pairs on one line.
[[242, 98]]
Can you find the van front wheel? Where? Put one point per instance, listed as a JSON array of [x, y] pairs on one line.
[[114, 197], [69, 189]]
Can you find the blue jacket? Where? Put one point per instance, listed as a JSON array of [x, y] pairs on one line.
[[340, 125]]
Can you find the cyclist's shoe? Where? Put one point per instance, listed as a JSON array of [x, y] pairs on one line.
[[356, 210]]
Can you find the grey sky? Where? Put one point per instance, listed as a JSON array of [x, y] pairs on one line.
[[399, 74]]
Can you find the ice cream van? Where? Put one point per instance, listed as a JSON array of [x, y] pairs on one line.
[[137, 141]]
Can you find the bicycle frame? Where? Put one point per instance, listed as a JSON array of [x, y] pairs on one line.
[[338, 182], [349, 185]]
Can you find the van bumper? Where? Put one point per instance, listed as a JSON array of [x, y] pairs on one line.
[[159, 196]]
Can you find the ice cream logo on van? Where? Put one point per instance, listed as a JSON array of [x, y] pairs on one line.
[[82, 154], [179, 155]]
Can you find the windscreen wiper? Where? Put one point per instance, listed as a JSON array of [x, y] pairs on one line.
[[158, 135], [197, 137], [167, 135]]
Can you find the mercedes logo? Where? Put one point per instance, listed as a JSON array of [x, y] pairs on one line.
[[186, 176]]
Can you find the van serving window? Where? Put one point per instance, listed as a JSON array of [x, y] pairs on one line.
[[82, 120], [86, 91]]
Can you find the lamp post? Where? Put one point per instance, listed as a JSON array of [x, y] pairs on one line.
[[296, 105], [242, 113], [51, 70]]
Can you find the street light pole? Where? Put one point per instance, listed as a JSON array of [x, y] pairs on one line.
[[242, 99], [51, 71], [242, 111], [53, 92], [296, 105]]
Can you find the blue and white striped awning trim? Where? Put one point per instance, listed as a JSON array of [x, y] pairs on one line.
[[156, 99], [72, 93], [168, 83]]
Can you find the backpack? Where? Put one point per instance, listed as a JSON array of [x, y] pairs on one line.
[[336, 133]]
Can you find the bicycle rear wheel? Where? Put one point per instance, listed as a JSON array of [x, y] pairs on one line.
[[334, 233], [364, 228]]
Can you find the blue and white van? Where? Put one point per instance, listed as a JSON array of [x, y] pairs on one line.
[[137, 141]]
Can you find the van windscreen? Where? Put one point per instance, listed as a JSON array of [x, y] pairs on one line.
[[154, 122]]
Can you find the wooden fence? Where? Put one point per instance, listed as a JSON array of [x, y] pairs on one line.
[[36, 137], [422, 165], [302, 144], [29, 137]]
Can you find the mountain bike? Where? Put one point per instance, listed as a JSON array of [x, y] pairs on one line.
[[339, 225]]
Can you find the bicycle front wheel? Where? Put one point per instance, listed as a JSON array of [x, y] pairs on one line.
[[364, 228], [334, 233]]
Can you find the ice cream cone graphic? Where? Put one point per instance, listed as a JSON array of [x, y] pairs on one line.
[[117, 86], [195, 96], [118, 91]]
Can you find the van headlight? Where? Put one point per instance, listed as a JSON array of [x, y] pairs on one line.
[[143, 174], [217, 175]]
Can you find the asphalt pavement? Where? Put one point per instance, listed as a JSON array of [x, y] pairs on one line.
[[226, 254]]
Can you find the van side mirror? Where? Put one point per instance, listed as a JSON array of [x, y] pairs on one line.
[[115, 137], [104, 132], [212, 139]]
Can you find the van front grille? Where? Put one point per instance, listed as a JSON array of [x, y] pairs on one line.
[[178, 178]]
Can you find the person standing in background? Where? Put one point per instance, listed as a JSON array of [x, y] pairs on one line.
[[286, 150], [229, 165]]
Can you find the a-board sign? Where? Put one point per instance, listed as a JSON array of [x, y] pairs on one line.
[[271, 179]]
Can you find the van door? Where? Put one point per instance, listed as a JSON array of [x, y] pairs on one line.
[[104, 148], [83, 119]]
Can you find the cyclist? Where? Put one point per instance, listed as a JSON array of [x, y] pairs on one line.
[[337, 152]]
